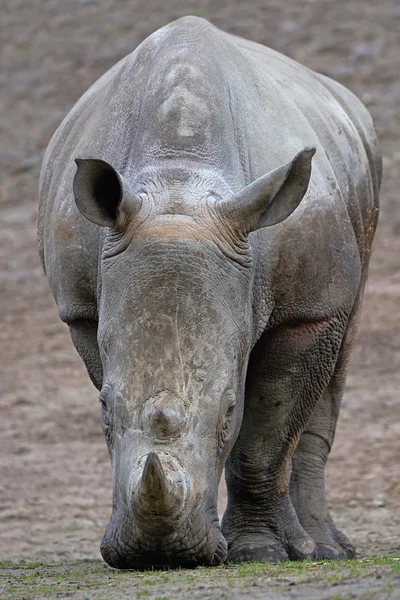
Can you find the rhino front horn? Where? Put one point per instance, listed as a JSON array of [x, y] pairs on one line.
[[158, 494]]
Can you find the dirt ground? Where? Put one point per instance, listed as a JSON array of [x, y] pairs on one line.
[[55, 485], [91, 580]]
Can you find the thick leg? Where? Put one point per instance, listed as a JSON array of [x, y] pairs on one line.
[[307, 483], [290, 368]]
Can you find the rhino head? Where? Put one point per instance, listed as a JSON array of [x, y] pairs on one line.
[[175, 331]]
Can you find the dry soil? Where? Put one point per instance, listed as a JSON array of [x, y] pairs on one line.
[[55, 487]]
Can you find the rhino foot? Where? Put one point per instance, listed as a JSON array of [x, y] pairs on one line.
[[276, 537], [331, 543], [246, 549], [268, 547]]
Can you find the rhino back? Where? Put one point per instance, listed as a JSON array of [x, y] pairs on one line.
[[194, 94], [349, 156]]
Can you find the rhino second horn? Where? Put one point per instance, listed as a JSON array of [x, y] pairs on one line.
[[157, 495]]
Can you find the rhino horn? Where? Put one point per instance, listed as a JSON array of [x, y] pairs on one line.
[[157, 494]]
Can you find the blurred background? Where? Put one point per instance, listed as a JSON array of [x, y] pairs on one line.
[[55, 485]]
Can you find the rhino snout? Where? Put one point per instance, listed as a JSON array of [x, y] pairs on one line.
[[165, 521]]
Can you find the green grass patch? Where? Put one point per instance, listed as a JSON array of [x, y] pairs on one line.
[[333, 577], [40, 580]]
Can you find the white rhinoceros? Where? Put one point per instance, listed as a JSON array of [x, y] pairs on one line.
[[209, 251]]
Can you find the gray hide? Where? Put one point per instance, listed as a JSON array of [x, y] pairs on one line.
[[207, 211]]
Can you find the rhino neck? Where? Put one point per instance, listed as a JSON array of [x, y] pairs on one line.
[[178, 119]]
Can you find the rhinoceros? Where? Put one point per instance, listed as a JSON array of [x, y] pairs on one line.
[[207, 210]]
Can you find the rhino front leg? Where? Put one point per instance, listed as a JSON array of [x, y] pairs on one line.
[[307, 483], [289, 369]]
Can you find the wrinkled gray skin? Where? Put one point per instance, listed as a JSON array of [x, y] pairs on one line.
[[210, 268]]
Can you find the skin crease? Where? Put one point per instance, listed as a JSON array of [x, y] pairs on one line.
[[208, 252]]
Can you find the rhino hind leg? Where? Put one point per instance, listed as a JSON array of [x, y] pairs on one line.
[[307, 483], [307, 492]]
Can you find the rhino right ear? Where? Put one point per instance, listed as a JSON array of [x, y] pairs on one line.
[[270, 199], [100, 190]]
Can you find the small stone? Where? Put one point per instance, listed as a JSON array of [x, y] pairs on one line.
[[380, 500]]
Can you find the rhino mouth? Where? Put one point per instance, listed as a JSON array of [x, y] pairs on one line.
[[188, 546]]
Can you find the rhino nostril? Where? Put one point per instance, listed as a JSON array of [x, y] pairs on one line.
[[163, 416]]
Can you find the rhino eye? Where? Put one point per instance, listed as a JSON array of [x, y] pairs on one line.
[[230, 403], [105, 400], [231, 410], [105, 396], [224, 430]]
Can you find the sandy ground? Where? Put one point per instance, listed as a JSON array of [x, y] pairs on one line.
[[55, 487]]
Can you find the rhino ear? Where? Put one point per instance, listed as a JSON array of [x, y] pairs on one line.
[[271, 198], [100, 190]]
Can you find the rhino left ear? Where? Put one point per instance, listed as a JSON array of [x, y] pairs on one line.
[[271, 198], [100, 190]]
